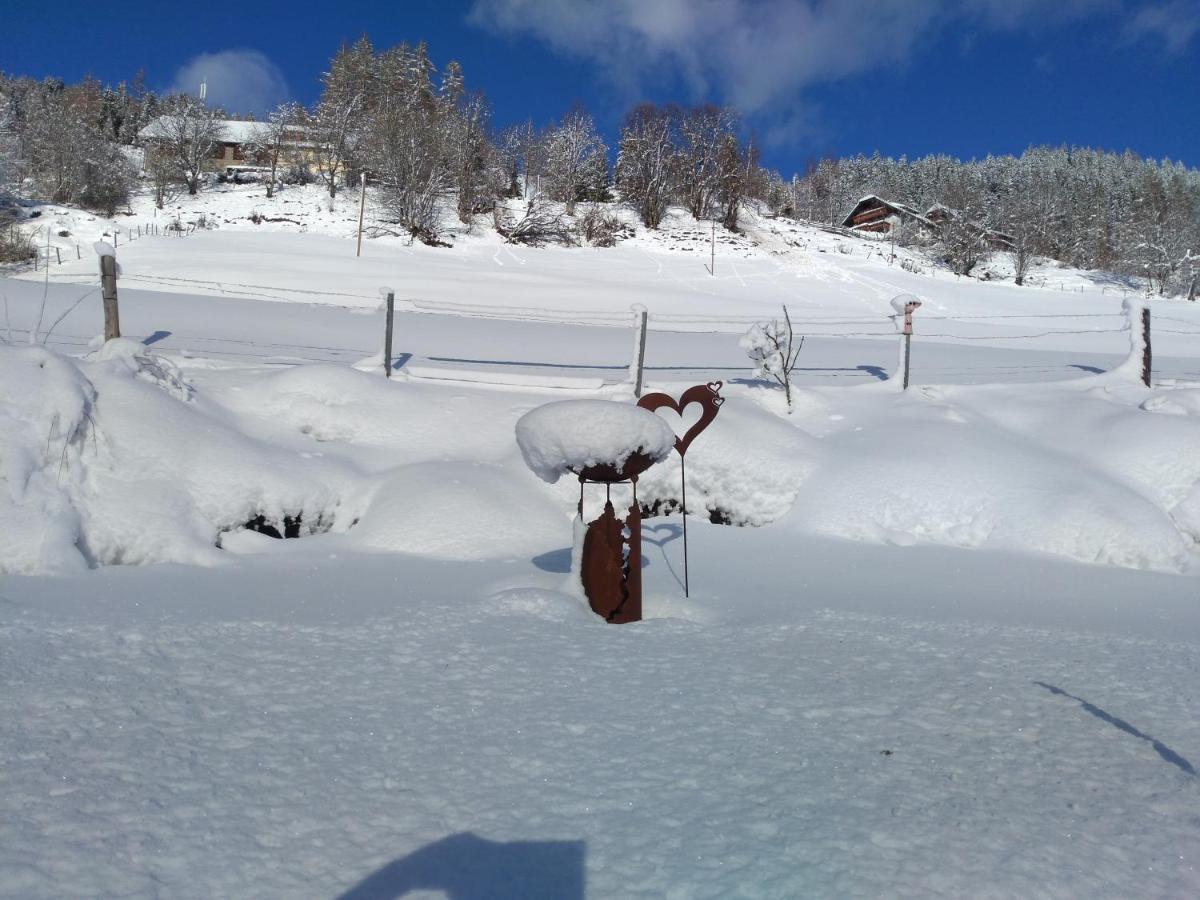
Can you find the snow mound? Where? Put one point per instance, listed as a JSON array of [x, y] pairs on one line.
[[115, 461], [931, 480], [744, 469], [46, 407], [570, 434], [346, 410], [1178, 402], [139, 361], [462, 512]]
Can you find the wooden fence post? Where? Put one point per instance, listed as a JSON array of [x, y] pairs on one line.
[[641, 348], [1146, 358], [387, 335], [108, 283]]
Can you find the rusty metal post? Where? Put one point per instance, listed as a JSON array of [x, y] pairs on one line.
[[708, 396]]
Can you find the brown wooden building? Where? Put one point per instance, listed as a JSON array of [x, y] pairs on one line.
[[878, 216], [875, 215]]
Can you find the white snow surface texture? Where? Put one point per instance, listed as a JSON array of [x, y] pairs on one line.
[[951, 653]]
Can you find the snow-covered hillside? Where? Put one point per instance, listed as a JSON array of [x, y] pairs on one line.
[[948, 648]]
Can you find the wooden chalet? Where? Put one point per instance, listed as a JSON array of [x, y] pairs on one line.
[[875, 215], [242, 144]]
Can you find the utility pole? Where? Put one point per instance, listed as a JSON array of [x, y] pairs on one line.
[[362, 206]]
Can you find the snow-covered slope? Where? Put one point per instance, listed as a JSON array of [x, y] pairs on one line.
[[951, 650]]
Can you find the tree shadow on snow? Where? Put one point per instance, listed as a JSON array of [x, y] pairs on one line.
[[1160, 748], [467, 867]]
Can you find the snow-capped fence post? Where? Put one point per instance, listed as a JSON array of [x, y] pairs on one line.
[[906, 305], [641, 316], [1146, 358], [387, 335]]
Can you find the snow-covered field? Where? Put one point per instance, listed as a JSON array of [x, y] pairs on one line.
[[954, 651]]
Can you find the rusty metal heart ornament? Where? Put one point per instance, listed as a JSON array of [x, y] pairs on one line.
[[707, 395]]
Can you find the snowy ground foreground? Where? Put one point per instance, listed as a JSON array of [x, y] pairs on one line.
[[958, 656], [871, 722]]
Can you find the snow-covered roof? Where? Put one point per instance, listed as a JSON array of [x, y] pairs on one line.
[[891, 204], [234, 131]]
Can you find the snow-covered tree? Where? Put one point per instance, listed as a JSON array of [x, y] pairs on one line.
[[337, 121], [576, 159], [646, 163], [275, 141], [187, 136], [774, 350]]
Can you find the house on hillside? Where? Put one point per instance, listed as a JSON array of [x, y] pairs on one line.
[[243, 145], [874, 215]]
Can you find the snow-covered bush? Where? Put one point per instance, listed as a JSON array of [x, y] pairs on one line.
[[774, 350], [601, 228], [540, 224], [15, 245]]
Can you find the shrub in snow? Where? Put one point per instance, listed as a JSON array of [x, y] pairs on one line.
[[601, 228], [15, 245], [569, 435], [773, 349], [139, 361], [540, 224]]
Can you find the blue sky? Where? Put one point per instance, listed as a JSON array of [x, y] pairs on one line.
[[813, 77]]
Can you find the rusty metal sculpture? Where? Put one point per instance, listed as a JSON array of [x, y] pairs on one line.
[[611, 562], [710, 400], [611, 573]]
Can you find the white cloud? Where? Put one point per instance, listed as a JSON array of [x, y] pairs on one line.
[[242, 81], [1174, 24], [758, 55]]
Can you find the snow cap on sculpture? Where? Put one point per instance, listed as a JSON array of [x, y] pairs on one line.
[[573, 435]]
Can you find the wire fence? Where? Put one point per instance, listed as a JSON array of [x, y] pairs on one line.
[[1005, 329]]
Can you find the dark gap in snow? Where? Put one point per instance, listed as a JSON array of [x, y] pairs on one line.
[[670, 506], [290, 527]]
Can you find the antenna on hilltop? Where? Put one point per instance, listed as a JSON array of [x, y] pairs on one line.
[[203, 90]]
